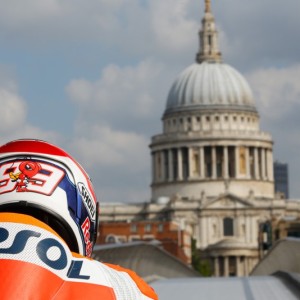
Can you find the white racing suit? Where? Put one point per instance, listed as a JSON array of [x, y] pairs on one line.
[[35, 263]]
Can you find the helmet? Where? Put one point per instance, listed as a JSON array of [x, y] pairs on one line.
[[42, 180]]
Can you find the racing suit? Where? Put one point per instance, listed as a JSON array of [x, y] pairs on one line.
[[35, 263]]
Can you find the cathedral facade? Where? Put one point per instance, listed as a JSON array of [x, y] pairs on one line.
[[212, 165]]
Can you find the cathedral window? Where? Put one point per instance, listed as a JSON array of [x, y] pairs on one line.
[[220, 161], [175, 162], [251, 162], [185, 163], [208, 162], [232, 266], [231, 161], [260, 153], [158, 165], [166, 163], [228, 227]]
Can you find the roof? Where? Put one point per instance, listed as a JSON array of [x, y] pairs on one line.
[[232, 288], [147, 259], [283, 256], [210, 86]]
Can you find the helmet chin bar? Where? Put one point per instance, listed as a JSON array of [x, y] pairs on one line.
[[52, 219]]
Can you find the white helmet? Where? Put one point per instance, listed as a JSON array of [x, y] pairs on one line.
[[42, 180]]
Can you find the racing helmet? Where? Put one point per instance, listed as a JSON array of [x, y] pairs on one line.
[[42, 180]]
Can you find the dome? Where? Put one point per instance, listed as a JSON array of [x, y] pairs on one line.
[[210, 85]]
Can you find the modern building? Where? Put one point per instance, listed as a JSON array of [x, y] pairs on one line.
[[212, 165], [281, 177]]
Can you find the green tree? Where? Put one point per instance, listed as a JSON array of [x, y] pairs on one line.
[[200, 265]]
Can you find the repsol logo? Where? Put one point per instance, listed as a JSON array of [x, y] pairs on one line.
[[42, 251], [87, 200]]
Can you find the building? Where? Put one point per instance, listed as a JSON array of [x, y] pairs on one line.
[[212, 165], [281, 177], [173, 237]]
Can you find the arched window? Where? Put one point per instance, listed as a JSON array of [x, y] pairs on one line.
[[228, 227]]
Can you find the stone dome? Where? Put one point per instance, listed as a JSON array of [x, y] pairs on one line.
[[210, 85]]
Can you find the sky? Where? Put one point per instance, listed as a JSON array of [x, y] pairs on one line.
[[93, 77]]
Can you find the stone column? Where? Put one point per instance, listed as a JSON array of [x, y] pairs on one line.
[[237, 265], [190, 162], [162, 165], [214, 163], [256, 166], [216, 266], [153, 166], [246, 265], [179, 164], [226, 266], [237, 162], [202, 163], [170, 160], [247, 163], [225, 162], [270, 164], [263, 163], [157, 166]]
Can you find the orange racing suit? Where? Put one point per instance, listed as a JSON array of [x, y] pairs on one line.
[[35, 263]]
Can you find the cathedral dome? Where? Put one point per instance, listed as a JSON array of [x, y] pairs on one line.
[[210, 85]]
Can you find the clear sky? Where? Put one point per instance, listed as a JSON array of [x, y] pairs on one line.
[[93, 77]]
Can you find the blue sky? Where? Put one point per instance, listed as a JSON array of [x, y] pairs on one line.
[[93, 77]]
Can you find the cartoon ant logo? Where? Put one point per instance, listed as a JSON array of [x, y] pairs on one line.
[[27, 170]]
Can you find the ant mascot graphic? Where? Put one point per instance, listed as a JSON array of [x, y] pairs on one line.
[[28, 169]]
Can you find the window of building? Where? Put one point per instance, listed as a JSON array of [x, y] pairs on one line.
[[220, 163], [166, 163], [160, 227], [208, 162], [251, 162], [158, 165], [185, 163], [133, 228], [175, 163], [232, 266], [228, 227], [148, 227], [231, 161], [209, 40]]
